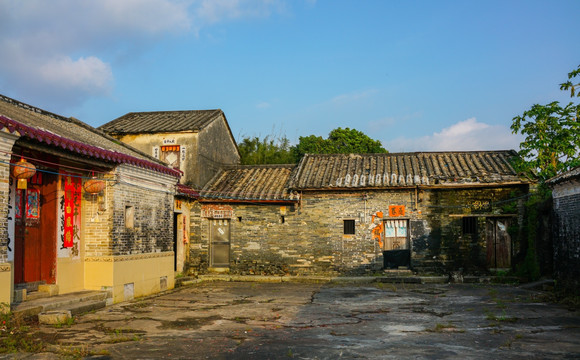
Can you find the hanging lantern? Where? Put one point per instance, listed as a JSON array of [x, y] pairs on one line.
[[22, 171], [94, 185]]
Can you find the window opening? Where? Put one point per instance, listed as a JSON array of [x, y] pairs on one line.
[[349, 228], [129, 217], [469, 225]]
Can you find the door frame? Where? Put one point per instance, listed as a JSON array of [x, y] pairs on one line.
[[43, 266], [494, 241], [212, 243]]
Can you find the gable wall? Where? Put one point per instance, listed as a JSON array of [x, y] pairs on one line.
[[216, 149]]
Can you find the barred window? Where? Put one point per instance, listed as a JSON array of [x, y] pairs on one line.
[[469, 225], [349, 227]]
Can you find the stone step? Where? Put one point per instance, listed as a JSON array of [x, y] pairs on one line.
[[83, 306], [36, 295], [34, 307]]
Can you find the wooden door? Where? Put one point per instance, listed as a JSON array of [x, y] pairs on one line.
[[35, 230], [220, 242], [498, 243], [396, 232]]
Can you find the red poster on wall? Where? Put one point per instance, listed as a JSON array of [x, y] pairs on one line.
[[72, 202]]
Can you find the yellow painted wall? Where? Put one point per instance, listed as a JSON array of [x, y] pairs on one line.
[[144, 271], [70, 275], [5, 284]]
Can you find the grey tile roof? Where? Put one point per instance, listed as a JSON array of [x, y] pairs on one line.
[[253, 183], [68, 128], [161, 121], [403, 169], [568, 175]]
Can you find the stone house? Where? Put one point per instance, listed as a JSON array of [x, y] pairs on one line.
[[57, 236], [241, 224], [566, 228], [351, 214]]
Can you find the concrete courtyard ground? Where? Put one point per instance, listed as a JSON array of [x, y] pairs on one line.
[[235, 320]]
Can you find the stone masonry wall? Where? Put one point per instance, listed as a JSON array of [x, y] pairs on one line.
[[566, 230], [308, 237]]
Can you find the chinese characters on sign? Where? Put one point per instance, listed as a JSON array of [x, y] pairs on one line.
[[72, 196], [396, 210]]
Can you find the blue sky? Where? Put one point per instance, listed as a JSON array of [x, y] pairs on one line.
[[416, 75]]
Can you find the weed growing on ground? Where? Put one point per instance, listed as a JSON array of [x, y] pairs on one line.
[[79, 352], [67, 323], [15, 335], [499, 319]]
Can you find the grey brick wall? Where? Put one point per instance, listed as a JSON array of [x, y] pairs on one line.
[[566, 234]]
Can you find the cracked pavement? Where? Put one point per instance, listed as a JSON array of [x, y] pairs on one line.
[[234, 320]]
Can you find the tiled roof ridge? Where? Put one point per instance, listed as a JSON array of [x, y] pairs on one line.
[[259, 166], [35, 109], [110, 126], [53, 139], [416, 153]]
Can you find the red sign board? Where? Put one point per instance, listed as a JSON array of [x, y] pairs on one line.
[[396, 210]]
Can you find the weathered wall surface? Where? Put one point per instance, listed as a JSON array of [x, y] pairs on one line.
[[147, 198], [308, 237], [566, 231], [150, 144], [216, 150]]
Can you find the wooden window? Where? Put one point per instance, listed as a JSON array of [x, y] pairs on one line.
[[349, 227]]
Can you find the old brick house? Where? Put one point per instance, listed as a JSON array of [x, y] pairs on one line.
[[338, 214], [53, 232], [566, 228]]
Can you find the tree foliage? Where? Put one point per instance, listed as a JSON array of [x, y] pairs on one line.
[[552, 135], [277, 149], [269, 150], [569, 85], [339, 141]]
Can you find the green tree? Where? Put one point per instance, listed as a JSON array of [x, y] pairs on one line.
[[269, 150], [552, 135], [339, 141], [569, 85]]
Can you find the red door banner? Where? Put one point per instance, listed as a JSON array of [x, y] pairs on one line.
[[72, 202]]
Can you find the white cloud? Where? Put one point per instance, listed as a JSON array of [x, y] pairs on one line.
[[466, 135], [90, 74], [351, 97], [263, 105], [61, 47], [212, 11]]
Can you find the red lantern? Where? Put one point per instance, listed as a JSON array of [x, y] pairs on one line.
[[23, 170], [94, 186]]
